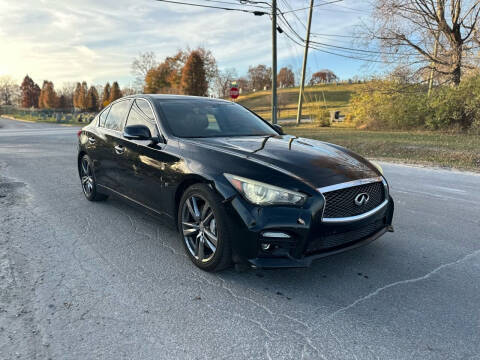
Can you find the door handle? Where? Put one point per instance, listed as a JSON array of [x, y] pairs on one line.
[[119, 149], [91, 140]]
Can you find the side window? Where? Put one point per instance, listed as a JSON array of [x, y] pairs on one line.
[[103, 117], [141, 114], [117, 114]]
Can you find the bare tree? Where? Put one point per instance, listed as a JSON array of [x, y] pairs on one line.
[[428, 34], [9, 91], [259, 77], [141, 65], [223, 81]]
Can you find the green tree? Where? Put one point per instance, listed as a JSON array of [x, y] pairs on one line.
[[194, 81], [115, 92]]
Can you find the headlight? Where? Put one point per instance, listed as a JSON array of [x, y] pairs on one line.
[[377, 165], [264, 194]]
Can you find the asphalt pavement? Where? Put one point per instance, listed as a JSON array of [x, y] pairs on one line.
[[82, 280]]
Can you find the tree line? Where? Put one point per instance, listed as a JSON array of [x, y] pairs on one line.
[[195, 72], [78, 96]]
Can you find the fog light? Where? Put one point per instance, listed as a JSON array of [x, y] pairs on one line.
[[266, 246]]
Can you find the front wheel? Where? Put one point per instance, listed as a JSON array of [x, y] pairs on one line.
[[204, 228], [87, 177]]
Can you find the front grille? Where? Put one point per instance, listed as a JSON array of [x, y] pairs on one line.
[[341, 203], [334, 239]]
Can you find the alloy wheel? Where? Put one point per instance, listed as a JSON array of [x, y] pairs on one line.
[[199, 228], [87, 177]]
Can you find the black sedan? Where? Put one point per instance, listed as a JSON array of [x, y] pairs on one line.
[[238, 189]]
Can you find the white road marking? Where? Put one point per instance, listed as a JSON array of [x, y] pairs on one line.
[[39, 132], [448, 189], [442, 197]]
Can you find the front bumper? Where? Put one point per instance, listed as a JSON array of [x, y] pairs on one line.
[[309, 237]]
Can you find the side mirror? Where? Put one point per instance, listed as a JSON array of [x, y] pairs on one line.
[[137, 132], [278, 128]]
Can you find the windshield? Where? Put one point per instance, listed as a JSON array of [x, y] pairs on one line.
[[200, 118]]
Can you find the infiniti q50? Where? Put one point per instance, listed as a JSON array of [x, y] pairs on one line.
[[238, 189]]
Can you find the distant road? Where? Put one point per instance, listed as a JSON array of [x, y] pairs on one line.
[[81, 280]]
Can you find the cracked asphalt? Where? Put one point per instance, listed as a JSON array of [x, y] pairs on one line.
[[81, 280]]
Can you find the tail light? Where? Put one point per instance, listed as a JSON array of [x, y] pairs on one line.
[[79, 133]]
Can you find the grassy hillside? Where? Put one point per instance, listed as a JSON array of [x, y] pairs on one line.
[[415, 147], [332, 96]]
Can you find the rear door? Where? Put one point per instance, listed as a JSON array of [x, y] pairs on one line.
[[96, 144], [112, 150]]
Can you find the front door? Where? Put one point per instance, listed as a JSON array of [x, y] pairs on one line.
[[150, 162]]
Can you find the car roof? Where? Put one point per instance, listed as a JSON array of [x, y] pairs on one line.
[[175, 97]]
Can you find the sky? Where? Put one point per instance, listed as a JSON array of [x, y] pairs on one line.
[[97, 40]]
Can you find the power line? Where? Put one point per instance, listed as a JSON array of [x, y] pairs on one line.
[[359, 50], [254, 12], [305, 8], [235, 4]]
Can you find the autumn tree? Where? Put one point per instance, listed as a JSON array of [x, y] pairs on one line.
[[194, 81], [175, 65], [322, 77], [209, 64], [115, 92], [80, 96], [157, 79], [285, 77], [48, 97], [41, 97], [92, 99], [76, 94], [29, 93], [427, 35], [259, 77], [106, 95]]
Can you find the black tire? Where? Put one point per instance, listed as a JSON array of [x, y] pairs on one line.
[[216, 260], [87, 180]]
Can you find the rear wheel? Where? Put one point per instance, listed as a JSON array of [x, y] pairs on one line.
[[87, 178], [203, 224]]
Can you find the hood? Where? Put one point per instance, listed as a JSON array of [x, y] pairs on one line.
[[315, 162]]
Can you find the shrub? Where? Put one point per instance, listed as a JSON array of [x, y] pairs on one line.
[[389, 105], [394, 105], [320, 115], [455, 107]]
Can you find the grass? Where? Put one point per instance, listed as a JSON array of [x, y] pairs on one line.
[[332, 96], [461, 151], [44, 119]]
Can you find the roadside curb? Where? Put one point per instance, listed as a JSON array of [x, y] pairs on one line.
[[16, 119]]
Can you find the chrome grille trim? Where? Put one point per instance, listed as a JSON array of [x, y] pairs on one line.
[[357, 217], [349, 184]]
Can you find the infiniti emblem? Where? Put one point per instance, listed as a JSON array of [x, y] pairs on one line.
[[361, 199]]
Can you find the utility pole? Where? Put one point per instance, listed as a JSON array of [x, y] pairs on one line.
[[304, 66], [274, 61], [435, 53]]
